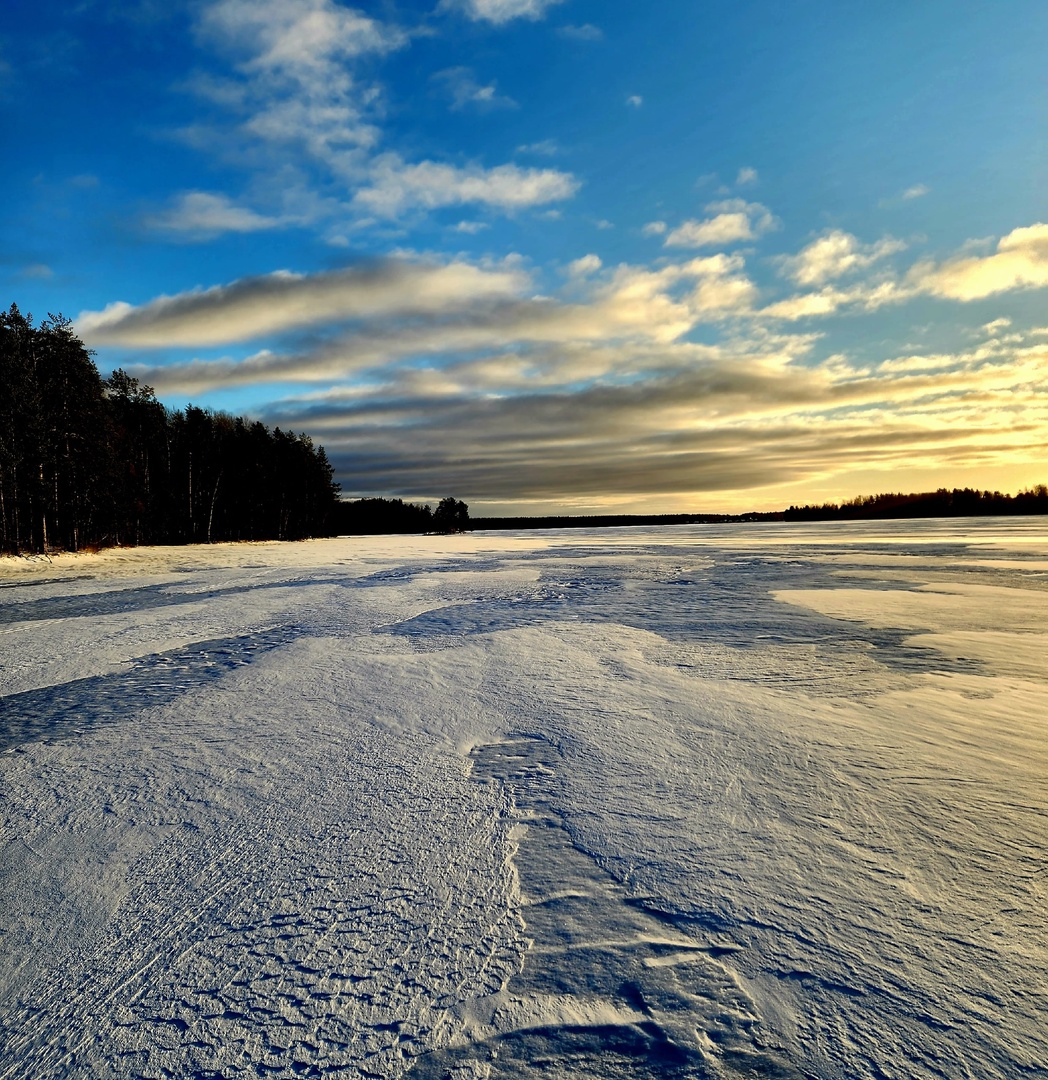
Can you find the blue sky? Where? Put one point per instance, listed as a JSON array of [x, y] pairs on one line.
[[555, 256]]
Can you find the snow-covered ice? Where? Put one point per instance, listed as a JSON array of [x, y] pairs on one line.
[[713, 801]]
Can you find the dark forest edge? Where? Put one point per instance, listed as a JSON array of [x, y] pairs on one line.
[[87, 462], [960, 502]]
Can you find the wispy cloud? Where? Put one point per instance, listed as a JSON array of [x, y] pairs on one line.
[[1020, 262], [918, 191], [460, 85], [584, 266], [635, 100], [275, 303], [308, 126], [294, 64], [703, 419], [585, 32], [500, 11], [600, 391], [545, 148], [201, 215], [834, 254], [746, 175], [396, 187], [732, 221]]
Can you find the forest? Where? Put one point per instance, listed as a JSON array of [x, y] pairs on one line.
[[92, 462], [958, 502]]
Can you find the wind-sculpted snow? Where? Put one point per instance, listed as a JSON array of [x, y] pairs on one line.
[[694, 802]]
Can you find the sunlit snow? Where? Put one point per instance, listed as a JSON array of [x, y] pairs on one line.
[[714, 801]]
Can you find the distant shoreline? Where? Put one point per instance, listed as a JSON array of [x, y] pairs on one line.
[[945, 504]]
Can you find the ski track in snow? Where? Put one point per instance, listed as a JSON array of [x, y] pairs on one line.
[[691, 802]]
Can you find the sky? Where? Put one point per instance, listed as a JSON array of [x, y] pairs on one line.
[[555, 256]]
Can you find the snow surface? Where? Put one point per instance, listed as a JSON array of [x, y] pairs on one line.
[[712, 801]]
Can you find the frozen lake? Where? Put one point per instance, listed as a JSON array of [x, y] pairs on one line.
[[712, 801]]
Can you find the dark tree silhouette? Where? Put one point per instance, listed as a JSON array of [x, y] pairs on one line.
[[374, 516], [87, 462], [451, 516]]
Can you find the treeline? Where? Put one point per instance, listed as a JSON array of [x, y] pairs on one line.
[[613, 521], [92, 462], [367, 517], [960, 502]]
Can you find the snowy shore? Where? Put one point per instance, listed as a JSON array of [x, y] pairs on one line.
[[702, 801]]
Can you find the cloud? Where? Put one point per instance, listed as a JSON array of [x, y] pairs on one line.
[[500, 11], [397, 187], [201, 215], [865, 296], [834, 254], [588, 264], [282, 301], [734, 220], [585, 32], [309, 126], [1020, 262], [746, 175], [698, 419], [459, 84], [294, 83], [996, 326], [635, 100], [376, 321], [459, 377], [545, 148], [655, 228], [302, 40], [918, 191]]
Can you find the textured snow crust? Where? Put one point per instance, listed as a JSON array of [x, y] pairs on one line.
[[691, 802]]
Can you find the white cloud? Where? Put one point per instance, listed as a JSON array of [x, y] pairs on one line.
[[746, 175], [635, 100], [465, 92], [585, 32], [546, 148], [655, 228], [1020, 262], [309, 126], [916, 192], [618, 399], [295, 85], [996, 326], [734, 220], [200, 215], [282, 301], [471, 227], [500, 11], [301, 40], [834, 254], [396, 187], [863, 296], [583, 267]]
